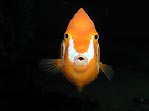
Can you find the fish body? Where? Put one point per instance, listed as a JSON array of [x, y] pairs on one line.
[[80, 53]]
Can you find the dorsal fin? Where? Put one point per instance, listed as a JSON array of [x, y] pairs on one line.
[[81, 21]]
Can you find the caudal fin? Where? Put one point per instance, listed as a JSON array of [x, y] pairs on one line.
[[106, 69], [50, 65], [80, 89]]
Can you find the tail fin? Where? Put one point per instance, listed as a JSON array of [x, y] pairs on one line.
[[80, 89], [106, 69]]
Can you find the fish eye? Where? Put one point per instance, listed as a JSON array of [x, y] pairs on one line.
[[96, 36], [66, 35]]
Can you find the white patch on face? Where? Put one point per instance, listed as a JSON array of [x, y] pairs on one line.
[[72, 53]]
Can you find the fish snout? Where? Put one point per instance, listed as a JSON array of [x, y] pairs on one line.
[[81, 60]]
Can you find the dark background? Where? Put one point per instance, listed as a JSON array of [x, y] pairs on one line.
[[31, 30]]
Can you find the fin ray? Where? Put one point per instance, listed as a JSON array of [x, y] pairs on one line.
[[106, 69], [50, 65]]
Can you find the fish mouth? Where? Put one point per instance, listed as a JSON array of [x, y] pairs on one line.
[[80, 60]]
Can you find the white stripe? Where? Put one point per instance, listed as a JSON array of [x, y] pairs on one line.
[[63, 52], [72, 52], [97, 54]]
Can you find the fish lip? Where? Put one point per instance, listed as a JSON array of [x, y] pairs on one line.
[[80, 60]]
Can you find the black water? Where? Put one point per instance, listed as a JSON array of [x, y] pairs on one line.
[[32, 30]]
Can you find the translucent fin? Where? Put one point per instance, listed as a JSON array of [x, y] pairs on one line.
[[107, 70], [80, 89], [50, 65]]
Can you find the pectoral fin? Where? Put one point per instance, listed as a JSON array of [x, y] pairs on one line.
[[106, 69], [51, 65]]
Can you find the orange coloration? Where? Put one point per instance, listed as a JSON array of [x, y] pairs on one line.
[[82, 28], [80, 53], [81, 23]]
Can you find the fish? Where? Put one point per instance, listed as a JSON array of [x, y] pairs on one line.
[[79, 60]]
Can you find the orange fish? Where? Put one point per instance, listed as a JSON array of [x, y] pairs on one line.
[[80, 53]]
